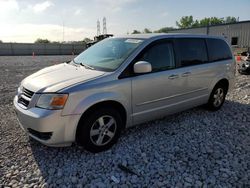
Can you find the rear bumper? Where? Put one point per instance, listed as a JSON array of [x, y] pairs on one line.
[[47, 126]]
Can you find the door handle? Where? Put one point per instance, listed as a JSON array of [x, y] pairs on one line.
[[185, 74], [173, 76]]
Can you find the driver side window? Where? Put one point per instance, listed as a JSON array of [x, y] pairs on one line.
[[160, 55]]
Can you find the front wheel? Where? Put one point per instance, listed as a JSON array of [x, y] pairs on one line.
[[217, 98], [100, 130]]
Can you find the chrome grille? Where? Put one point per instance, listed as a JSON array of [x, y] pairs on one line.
[[23, 101], [25, 97], [28, 93]]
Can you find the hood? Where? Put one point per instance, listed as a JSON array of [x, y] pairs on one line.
[[57, 77]]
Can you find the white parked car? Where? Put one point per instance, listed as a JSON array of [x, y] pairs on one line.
[[120, 82]]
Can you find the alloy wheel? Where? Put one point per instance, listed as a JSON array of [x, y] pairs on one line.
[[103, 130], [218, 97]]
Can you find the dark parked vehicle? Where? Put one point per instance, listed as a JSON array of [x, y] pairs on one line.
[[244, 66]]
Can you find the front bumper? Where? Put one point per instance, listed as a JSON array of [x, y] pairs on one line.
[[47, 126]]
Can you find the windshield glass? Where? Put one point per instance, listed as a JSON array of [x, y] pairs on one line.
[[108, 54]]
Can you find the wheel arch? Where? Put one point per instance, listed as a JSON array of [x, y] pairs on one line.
[[104, 104], [223, 82]]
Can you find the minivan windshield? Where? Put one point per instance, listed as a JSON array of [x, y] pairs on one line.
[[107, 55]]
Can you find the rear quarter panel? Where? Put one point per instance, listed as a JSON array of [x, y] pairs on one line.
[[224, 70]]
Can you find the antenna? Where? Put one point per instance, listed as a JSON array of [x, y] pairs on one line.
[[104, 26], [98, 28]]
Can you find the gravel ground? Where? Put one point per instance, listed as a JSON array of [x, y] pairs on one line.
[[195, 148]]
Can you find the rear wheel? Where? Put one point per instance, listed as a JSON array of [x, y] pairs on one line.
[[217, 97], [99, 130]]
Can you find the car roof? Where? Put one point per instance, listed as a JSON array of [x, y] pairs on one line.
[[166, 35]]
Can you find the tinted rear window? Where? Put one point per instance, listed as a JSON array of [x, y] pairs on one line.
[[218, 50], [192, 51]]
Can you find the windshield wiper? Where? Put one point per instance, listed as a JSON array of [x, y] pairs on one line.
[[74, 63], [82, 64], [87, 66]]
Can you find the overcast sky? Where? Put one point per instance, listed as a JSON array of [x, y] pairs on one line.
[[27, 20]]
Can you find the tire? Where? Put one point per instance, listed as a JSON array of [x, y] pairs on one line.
[[217, 97], [99, 130]]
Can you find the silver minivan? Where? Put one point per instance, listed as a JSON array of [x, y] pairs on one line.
[[120, 82]]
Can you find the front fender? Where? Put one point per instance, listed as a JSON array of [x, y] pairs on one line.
[[91, 100]]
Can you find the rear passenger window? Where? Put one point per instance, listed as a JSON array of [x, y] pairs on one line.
[[161, 56], [218, 50], [191, 51]]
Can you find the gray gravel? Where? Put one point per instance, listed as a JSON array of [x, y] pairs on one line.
[[195, 148]]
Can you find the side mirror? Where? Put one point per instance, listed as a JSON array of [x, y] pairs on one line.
[[142, 67]]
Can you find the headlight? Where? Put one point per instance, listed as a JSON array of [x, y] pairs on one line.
[[52, 101]]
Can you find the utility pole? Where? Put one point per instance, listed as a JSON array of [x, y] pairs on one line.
[[98, 28], [63, 32], [104, 26]]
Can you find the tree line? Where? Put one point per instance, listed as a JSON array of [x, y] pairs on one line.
[[189, 22], [46, 41]]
